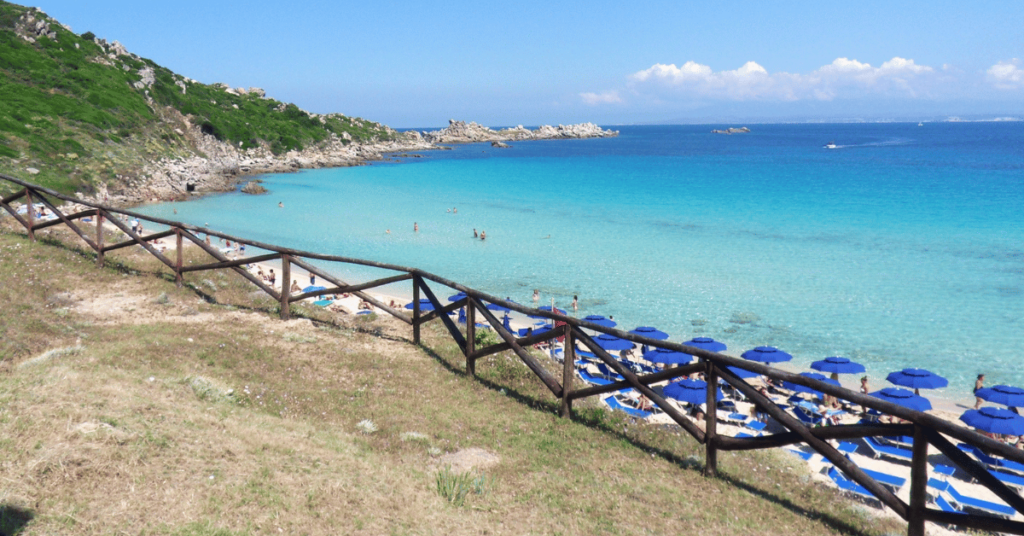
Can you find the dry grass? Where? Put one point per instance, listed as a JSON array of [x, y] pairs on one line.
[[160, 410]]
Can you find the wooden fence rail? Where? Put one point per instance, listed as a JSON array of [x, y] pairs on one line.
[[927, 430]]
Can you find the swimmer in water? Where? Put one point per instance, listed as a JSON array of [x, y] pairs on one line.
[[280, 204], [483, 235], [475, 235], [387, 231], [415, 227]]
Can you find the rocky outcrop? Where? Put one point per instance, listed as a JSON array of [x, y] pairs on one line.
[[253, 188], [463, 132], [500, 145]]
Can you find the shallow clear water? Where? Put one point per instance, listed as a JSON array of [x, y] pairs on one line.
[[903, 247]]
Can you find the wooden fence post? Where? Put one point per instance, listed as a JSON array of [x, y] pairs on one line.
[[177, 270], [568, 372], [31, 213], [99, 238], [286, 281], [470, 339], [918, 483], [711, 421], [415, 310]]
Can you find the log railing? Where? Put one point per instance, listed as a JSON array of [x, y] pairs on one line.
[[927, 430]]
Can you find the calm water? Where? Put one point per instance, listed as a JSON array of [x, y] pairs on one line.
[[903, 247]]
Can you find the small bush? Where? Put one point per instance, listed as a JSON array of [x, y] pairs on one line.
[[455, 487]]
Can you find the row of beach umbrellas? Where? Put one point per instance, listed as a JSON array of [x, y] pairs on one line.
[[989, 419]]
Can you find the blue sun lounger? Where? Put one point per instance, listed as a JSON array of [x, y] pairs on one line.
[[991, 461], [848, 485], [878, 449], [971, 502], [590, 378], [894, 482], [615, 404], [944, 505]]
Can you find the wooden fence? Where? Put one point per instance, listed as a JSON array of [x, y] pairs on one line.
[[927, 430]]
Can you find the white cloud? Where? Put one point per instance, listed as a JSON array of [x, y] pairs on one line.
[[1007, 74], [607, 97], [843, 77]]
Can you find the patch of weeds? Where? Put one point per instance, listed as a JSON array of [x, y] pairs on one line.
[[455, 487], [162, 299], [292, 337], [52, 354], [414, 436], [208, 390], [210, 285], [203, 528], [366, 426]]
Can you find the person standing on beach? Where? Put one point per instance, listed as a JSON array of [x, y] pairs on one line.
[[864, 390], [312, 279], [978, 384], [273, 276]]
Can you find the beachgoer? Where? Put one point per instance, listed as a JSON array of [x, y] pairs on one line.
[[241, 249], [455, 210], [280, 204], [415, 227], [312, 279], [449, 211], [273, 276], [387, 231], [475, 235], [295, 286], [978, 384], [536, 295], [208, 240], [644, 403], [175, 211], [864, 390], [135, 226], [483, 235], [365, 305], [575, 303], [227, 243]]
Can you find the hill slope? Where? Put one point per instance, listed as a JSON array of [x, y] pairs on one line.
[[128, 405], [85, 113]]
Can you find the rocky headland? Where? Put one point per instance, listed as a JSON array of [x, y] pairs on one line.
[[217, 166]]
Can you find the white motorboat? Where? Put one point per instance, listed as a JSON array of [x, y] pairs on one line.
[[831, 145]]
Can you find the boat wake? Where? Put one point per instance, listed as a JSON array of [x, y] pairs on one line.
[[883, 143]]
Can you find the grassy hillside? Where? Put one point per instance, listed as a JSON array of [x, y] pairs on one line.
[[81, 110], [130, 406]]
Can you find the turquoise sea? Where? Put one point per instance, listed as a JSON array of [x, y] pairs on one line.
[[902, 247]]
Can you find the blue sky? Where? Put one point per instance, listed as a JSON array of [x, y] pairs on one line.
[[417, 64]]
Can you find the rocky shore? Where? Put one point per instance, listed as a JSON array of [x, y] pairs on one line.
[[216, 166]]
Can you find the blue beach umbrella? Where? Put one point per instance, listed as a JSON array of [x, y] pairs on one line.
[[313, 288], [706, 343], [1002, 394], [743, 374], [456, 297], [995, 421], [904, 398], [797, 388], [766, 354], [917, 378], [838, 365], [667, 357], [650, 333], [600, 321], [690, 391], [611, 342], [425, 305], [496, 307]]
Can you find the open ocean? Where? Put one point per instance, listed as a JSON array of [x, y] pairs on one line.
[[903, 247]]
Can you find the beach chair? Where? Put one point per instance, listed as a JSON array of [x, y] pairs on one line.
[[586, 376], [847, 448], [965, 501], [945, 470], [756, 426], [942, 504], [727, 405], [892, 481], [848, 485], [615, 404], [805, 418], [608, 374], [878, 450], [805, 456], [991, 461]]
